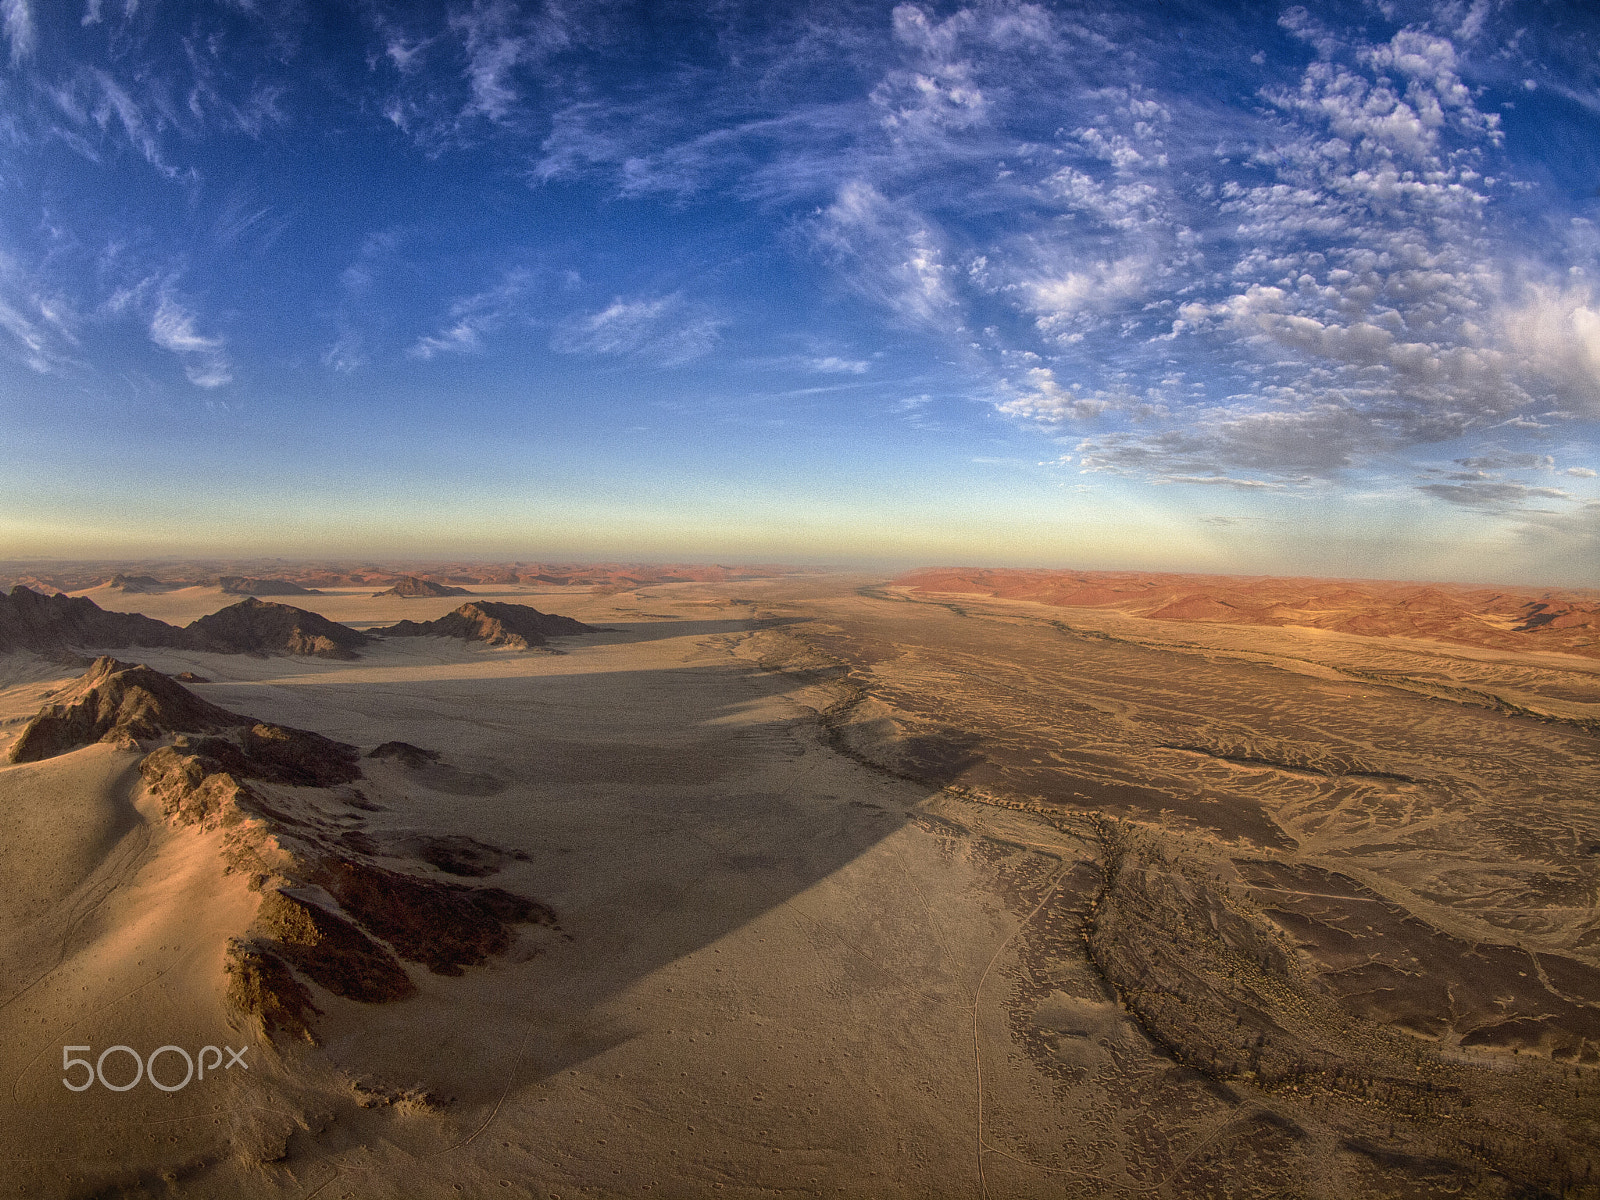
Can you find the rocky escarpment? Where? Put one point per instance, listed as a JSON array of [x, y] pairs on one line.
[[260, 627], [30, 620], [333, 921], [411, 587], [518, 626]]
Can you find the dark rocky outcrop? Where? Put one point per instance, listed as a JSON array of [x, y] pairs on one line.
[[516, 625], [249, 585], [411, 587], [444, 926], [261, 627], [120, 703], [140, 584], [405, 753], [47, 624], [457, 854], [261, 983], [30, 620], [125, 704], [329, 949], [328, 914]]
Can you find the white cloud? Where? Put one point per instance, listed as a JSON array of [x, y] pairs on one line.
[[924, 106], [1061, 304], [464, 337], [1041, 398], [205, 360], [890, 253], [494, 48], [1490, 493], [1557, 331], [1471, 21], [472, 318], [17, 18], [346, 354], [42, 323], [666, 330], [498, 48], [1241, 485], [114, 100], [833, 365], [33, 340]]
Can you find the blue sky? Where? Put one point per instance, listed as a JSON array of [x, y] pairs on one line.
[[1184, 286]]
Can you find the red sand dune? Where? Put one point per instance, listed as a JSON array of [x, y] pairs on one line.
[[1508, 618]]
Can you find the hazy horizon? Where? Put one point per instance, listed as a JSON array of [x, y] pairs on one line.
[[1151, 287], [270, 566]]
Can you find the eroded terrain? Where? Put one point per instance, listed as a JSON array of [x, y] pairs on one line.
[[851, 891]]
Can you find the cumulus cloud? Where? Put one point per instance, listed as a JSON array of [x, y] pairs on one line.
[[1365, 309], [1062, 304], [1557, 333], [666, 330], [205, 360], [1041, 398]]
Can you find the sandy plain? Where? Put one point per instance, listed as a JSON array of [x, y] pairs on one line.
[[859, 893]]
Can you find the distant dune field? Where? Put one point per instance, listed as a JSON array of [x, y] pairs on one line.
[[1510, 618]]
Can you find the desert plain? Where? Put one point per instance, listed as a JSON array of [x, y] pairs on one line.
[[820, 884]]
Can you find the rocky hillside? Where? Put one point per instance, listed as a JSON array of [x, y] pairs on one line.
[[261, 627], [410, 587], [50, 624], [332, 921], [32, 621], [249, 585], [518, 626]]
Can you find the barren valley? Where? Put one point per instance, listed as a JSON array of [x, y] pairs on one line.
[[803, 884]]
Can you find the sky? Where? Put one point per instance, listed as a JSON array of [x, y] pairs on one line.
[[1169, 286]]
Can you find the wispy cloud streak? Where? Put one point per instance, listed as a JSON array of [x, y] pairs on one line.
[[205, 359]]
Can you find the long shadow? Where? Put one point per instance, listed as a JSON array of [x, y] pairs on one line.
[[627, 631], [649, 631], [656, 817]]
